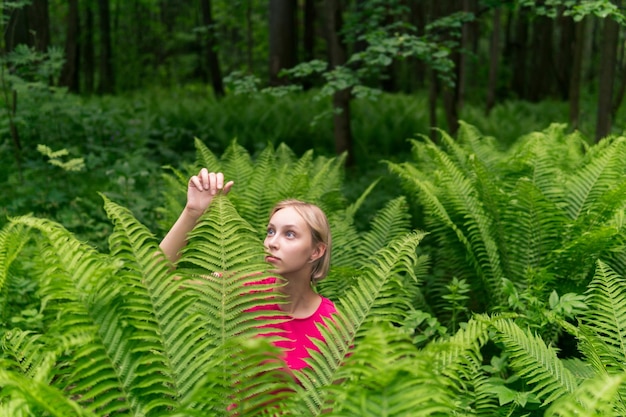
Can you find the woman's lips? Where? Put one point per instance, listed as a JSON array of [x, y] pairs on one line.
[[271, 259]]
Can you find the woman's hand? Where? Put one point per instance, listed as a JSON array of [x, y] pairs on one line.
[[202, 188]]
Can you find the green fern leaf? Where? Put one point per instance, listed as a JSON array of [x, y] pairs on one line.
[[534, 361]]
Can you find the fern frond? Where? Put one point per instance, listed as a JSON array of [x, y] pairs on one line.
[[600, 174], [536, 362], [205, 158], [603, 325], [45, 399], [596, 397], [459, 359], [389, 223], [364, 304], [80, 287], [387, 376]]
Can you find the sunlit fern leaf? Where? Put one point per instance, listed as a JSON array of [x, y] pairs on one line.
[[205, 158], [596, 397], [387, 376], [42, 398], [173, 194], [25, 353], [446, 225], [600, 174], [243, 380], [362, 306], [223, 264], [460, 360], [485, 148], [237, 165], [388, 224], [158, 310], [461, 196], [603, 325], [535, 362], [80, 288], [261, 193], [534, 229], [13, 238]]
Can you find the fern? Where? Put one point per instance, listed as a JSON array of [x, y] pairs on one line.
[[363, 306], [594, 398], [534, 361]]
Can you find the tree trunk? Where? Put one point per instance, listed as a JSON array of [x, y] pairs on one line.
[[518, 52], [541, 59], [70, 71], [211, 45], [494, 57], [576, 74], [107, 83], [89, 61], [450, 94], [283, 38], [610, 34], [341, 99], [564, 55], [39, 24], [249, 37]]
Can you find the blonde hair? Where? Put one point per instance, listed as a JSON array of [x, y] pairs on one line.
[[315, 218]]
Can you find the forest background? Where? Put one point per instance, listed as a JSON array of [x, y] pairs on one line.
[[493, 126]]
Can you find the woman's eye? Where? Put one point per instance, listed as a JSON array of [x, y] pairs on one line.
[[290, 234], [270, 232]]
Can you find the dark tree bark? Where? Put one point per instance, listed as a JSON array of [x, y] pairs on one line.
[[518, 52], [70, 71], [341, 99], [29, 25], [541, 59], [283, 38], [576, 74], [494, 60], [450, 94], [249, 37], [563, 57], [89, 60], [211, 46], [608, 59], [107, 79]]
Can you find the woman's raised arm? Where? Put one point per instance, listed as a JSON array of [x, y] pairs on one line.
[[201, 190]]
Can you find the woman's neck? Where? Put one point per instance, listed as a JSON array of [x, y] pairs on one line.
[[302, 300]]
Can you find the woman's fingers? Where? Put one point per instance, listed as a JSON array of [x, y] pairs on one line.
[[210, 181]]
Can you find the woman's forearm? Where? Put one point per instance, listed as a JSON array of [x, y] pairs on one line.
[[176, 239]]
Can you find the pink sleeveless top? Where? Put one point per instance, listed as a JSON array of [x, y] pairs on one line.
[[297, 333]]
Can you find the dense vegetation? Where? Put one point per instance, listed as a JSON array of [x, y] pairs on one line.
[[479, 260]]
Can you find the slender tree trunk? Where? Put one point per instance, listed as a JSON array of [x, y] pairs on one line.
[[433, 93], [341, 99], [89, 60], [494, 59], [70, 71], [249, 37], [610, 34], [107, 81], [576, 74], [211, 45], [450, 94], [564, 56], [518, 52], [541, 59], [283, 38], [39, 24]]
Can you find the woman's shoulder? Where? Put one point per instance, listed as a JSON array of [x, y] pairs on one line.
[[327, 307]]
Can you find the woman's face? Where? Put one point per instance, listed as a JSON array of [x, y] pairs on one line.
[[289, 244]]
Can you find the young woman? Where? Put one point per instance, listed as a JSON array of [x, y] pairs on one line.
[[297, 246]]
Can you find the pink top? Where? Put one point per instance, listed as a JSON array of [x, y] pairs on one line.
[[297, 332]]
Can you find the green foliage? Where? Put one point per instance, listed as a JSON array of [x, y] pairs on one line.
[[522, 223]]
